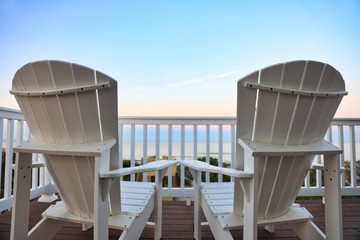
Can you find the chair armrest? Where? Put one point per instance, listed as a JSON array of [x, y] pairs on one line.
[[92, 149], [205, 167], [259, 149], [149, 167]]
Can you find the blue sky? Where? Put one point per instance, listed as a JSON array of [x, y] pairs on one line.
[[181, 58]]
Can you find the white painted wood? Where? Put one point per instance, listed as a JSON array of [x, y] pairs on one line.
[[288, 91], [35, 172], [295, 215], [333, 207], [59, 213], [220, 151], [46, 228], [341, 145], [308, 230], [259, 149], [197, 203], [93, 149], [352, 157], [201, 166], [9, 158], [120, 134], [145, 143], [270, 228], [234, 159], [240, 194], [176, 192], [157, 146], [158, 201], [195, 141], [215, 223], [283, 114], [72, 112], [132, 153], [1, 145], [101, 208], [207, 174], [170, 134], [182, 168], [20, 212], [246, 107], [78, 89], [149, 167], [251, 206], [318, 173]]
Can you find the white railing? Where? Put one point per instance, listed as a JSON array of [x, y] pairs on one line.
[[13, 131], [218, 140], [180, 137]]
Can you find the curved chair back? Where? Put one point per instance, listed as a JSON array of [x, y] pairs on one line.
[[286, 104], [66, 103]]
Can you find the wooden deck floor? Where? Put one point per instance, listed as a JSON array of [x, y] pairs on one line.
[[177, 223]]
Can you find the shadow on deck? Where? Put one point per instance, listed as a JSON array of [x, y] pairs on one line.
[[178, 223]]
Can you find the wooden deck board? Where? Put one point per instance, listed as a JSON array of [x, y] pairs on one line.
[[178, 220]]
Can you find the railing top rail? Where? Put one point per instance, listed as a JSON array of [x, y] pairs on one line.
[[213, 120], [9, 113], [345, 121], [177, 120], [14, 114]]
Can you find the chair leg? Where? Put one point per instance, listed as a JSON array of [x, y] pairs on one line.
[[21, 199], [307, 230], [333, 212], [158, 203], [197, 204], [215, 223], [270, 228], [250, 201], [45, 229], [101, 203]]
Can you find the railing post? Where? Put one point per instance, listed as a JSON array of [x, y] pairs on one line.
[[207, 175], [341, 145], [145, 142], [132, 146], [220, 150], [170, 155], [9, 158], [182, 168], [121, 143], [157, 145], [1, 147], [233, 142], [195, 142], [352, 156]]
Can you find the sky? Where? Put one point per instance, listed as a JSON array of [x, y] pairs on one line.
[[181, 57]]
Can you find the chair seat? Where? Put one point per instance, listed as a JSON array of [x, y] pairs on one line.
[[135, 196], [219, 197], [135, 199]]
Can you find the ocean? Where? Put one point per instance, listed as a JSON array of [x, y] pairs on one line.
[[201, 150]]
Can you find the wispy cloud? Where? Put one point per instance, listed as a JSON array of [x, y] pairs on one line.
[[184, 83]]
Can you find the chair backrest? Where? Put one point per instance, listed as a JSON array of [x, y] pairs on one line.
[[286, 104], [65, 103]]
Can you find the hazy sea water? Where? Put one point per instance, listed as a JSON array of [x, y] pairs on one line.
[[176, 150]]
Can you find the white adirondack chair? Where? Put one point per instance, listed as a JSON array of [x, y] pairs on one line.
[[72, 113], [283, 113]]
